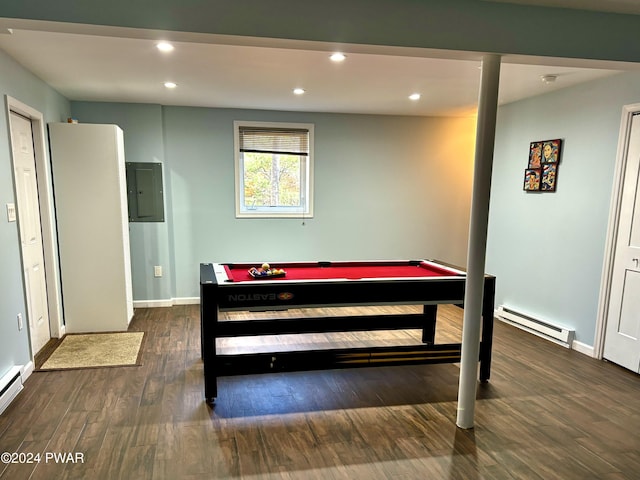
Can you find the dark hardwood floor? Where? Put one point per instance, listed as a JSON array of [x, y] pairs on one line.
[[547, 413]]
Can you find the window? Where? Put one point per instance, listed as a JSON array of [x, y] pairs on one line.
[[274, 169]]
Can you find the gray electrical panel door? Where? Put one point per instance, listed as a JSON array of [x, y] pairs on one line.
[[144, 192]]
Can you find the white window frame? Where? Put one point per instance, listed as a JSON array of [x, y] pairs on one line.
[[272, 212]]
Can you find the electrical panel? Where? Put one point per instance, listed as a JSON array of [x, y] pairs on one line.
[[144, 192]]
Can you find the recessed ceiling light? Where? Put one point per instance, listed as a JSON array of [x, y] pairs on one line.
[[164, 46], [548, 79], [170, 84], [337, 57], [298, 91], [414, 96]]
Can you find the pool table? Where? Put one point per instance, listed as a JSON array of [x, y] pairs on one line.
[[230, 287]]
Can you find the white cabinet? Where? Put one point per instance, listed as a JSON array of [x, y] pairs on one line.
[[89, 185]]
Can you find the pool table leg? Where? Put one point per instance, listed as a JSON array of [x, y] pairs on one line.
[[429, 326], [208, 322], [486, 345]]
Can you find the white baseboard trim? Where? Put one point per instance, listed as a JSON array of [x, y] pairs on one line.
[[583, 348], [152, 303], [27, 370], [170, 302], [186, 301]]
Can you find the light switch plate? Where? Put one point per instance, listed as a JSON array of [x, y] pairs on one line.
[[11, 212]]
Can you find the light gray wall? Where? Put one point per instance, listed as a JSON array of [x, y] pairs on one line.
[[380, 191], [20, 84], [385, 187], [547, 249]]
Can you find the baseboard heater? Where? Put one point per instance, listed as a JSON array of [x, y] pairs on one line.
[[10, 386], [559, 335]]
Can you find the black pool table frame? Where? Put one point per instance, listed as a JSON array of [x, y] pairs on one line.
[[218, 297]]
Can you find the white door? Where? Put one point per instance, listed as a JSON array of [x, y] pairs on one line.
[[622, 340], [30, 231]]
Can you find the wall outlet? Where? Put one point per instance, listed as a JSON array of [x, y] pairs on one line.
[[11, 212], [157, 271], [20, 325]]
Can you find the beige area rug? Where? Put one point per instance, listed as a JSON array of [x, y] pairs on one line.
[[96, 350]]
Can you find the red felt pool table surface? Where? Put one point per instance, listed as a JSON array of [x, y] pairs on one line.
[[343, 270]]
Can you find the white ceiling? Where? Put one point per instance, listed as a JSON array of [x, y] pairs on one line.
[[109, 64]]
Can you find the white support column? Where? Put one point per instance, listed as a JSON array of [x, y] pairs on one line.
[[485, 137]]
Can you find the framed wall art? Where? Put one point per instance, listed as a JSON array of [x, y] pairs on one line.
[[532, 179], [548, 181], [542, 166]]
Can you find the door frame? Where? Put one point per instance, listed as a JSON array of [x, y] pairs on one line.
[[628, 112], [47, 213]]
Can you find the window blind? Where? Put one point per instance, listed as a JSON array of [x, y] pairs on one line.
[[288, 141]]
